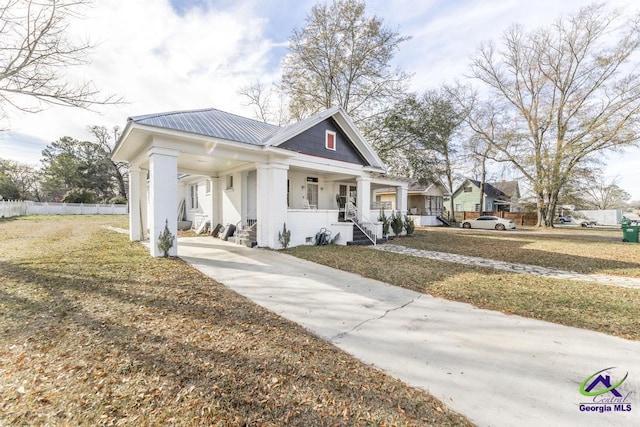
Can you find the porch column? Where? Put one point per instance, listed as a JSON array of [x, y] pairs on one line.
[[135, 212], [163, 189], [363, 198], [271, 203], [216, 202], [401, 198]]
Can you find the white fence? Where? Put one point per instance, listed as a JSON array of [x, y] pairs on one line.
[[10, 209]]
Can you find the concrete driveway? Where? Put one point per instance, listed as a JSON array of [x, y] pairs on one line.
[[496, 369]]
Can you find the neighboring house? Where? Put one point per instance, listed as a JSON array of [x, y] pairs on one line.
[[317, 173], [498, 196], [425, 202]]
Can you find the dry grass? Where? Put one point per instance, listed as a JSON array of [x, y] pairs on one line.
[[615, 311], [585, 251], [95, 332]]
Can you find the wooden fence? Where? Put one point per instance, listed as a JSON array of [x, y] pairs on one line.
[[17, 208]]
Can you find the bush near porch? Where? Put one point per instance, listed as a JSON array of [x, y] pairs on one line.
[[96, 332]]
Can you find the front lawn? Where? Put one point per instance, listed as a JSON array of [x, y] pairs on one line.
[[95, 332], [584, 251], [608, 309]]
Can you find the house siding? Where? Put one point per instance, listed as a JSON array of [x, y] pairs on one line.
[[468, 201], [312, 142]]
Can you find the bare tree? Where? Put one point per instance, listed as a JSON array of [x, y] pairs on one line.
[[605, 193], [25, 177], [104, 138], [34, 49], [342, 58], [261, 98], [566, 93]]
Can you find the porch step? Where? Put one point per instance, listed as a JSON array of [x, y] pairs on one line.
[[247, 236], [359, 238], [444, 221]]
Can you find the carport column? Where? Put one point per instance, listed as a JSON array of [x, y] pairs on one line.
[[363, 197], [402, 193], [135, 224], [163, 189], [216, 202], [271, 203]]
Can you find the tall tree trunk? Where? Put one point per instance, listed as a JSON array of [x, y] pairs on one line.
[[541, 210], [553, 203]]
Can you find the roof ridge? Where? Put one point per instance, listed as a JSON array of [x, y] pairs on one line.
[[172, 113], [199, 110]]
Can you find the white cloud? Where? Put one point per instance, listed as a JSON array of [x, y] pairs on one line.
[[159, 60]]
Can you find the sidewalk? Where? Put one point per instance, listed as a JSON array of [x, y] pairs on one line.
[[496, 369]]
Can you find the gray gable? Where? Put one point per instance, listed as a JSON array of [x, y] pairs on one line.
[[312, 142], [214, 123]]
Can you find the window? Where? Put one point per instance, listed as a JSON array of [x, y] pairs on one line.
[[194, 196], [208, 187], [312, 192], [229, 182], [477, 207], [468, 189], [330, 140]]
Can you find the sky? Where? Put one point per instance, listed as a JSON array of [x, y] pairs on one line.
[[167, 55]]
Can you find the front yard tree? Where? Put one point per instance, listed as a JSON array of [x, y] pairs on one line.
[[34, 49], [106, 140], [342, 58], [419, 137], [25, 178], [566, 93], [71, 164]]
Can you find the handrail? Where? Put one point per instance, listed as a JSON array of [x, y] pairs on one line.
[[351, 214]]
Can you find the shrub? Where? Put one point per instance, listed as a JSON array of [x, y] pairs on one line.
[[409, 225], [396, 223], [385, 222], [118, 200], [284, 237], [165, 239], [80, 195]]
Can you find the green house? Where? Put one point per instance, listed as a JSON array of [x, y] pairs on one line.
[[500, 196]]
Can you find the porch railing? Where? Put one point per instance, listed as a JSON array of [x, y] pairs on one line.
[[351, 214], [380, 205]]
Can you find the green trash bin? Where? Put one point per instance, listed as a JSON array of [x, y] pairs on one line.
[[630, 233]]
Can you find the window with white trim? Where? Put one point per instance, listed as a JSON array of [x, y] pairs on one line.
[[312, 192], [208, 187], [194, 196], [330, 140]]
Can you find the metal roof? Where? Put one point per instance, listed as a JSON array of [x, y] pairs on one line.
[[214, 123]]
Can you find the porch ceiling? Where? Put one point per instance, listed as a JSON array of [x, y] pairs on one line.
[[206, 165]]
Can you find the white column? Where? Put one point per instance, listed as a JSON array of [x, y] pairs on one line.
[[163, 188], [401, 198], [271, 203], [216, 202], [363, 197], [135, 223]]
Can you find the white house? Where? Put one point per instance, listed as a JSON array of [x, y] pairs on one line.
[[425, 202], [317, 173]]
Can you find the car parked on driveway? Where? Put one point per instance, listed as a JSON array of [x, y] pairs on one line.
[[489, 223]]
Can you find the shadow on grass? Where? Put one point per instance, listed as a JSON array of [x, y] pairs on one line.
[[197, 339], [502, 246]]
